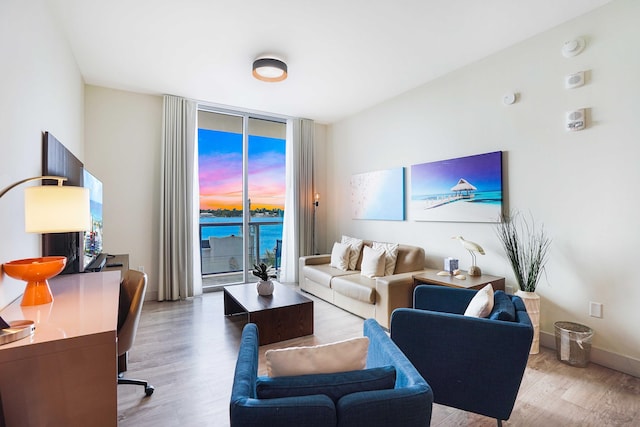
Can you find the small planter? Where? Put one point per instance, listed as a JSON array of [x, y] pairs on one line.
[[265, 287]]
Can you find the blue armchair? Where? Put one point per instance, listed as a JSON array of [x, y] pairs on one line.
[[407, 403], [473, 364]]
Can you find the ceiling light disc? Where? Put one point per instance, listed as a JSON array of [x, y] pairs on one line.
[[269, 69]]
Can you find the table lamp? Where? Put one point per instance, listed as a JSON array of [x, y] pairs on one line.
[[48, 209]]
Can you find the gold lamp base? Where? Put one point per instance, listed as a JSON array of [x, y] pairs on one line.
[[36, 272]]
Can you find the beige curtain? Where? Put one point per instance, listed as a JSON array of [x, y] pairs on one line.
[[180, 275], [297, 229]]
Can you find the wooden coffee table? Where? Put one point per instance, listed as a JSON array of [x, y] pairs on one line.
[[281, 316]]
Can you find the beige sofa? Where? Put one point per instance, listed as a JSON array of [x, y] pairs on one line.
[[360, 295]]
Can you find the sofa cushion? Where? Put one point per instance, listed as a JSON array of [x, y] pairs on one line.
[[334, 385], [323, 273], [341, 356], [355, 246], [356, 286], [340, 256], [390, 256], [481, 304], [503, 308], [372, 262]]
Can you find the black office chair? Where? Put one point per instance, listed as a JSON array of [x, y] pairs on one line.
[[132, 289]]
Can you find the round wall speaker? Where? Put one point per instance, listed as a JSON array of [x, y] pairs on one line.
[[574, 80]]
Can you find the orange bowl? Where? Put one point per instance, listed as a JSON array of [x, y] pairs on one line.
[[36, 271]]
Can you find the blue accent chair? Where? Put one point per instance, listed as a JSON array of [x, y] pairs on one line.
[[473, 364], [407, 404]]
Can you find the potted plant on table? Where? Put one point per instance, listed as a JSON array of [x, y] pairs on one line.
[[265, 273], [527, 249]]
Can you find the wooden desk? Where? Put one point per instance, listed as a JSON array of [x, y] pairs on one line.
[[430, 277], [65, 373]]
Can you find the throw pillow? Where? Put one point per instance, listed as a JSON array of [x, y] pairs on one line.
[[481, 304], [340, 256], [390, 256], [355, 246], [341, 356], [372, 262], [503, 308], [334, 385]]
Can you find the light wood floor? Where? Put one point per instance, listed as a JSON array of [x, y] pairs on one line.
[[188, 350]]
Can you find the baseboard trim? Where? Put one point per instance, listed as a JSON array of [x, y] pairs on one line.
[[625, 364]]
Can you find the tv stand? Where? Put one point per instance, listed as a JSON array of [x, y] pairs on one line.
[[97, 264], [117, 263]]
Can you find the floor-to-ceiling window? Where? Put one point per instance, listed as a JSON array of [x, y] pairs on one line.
[[242, 189]]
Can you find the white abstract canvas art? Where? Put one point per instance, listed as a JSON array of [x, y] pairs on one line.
[[378, 195]]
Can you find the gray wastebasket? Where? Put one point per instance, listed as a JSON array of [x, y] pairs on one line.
[[573, 343]]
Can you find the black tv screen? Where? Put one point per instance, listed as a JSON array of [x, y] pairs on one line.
[[58, 161], [93, 237]]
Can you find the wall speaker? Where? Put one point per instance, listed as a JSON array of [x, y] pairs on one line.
[[574, 80]]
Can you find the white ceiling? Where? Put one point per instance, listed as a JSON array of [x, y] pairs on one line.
[[343, 55]]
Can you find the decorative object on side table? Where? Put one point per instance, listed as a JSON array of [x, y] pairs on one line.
[[472, 247], [265, 273], [527, 250]]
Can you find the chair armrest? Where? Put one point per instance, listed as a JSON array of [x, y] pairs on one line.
[[471, 363], [246, 372], [442, 298], [408, 404], [316, 410], [393, 292], [407, 407]]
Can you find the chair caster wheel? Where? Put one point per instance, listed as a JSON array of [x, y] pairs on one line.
[[148, 390]]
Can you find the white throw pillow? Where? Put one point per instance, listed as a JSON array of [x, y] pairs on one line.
[[341, 356], [340, 256], [356, 246], [390, 256], [372, 262], [481, 304]]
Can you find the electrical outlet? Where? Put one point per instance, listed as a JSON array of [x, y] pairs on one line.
[[141, 268], [595, 309]]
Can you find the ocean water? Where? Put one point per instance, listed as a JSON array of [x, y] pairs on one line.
[[269, 228], [489, 197]]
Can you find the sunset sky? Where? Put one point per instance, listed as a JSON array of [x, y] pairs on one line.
[[220, 168]]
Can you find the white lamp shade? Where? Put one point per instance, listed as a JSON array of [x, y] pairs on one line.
[[56, 209]]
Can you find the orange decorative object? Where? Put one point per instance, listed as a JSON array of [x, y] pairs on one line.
[[36, 271]]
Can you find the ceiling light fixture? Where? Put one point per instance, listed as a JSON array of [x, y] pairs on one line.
[[269, 69]]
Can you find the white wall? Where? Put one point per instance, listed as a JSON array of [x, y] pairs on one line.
[[581, 185], [123, 149], [320, 183], [40, 90]]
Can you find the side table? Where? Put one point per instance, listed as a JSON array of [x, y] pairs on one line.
[[430, 277]]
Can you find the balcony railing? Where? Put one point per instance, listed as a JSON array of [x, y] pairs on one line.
[[222, 253]]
